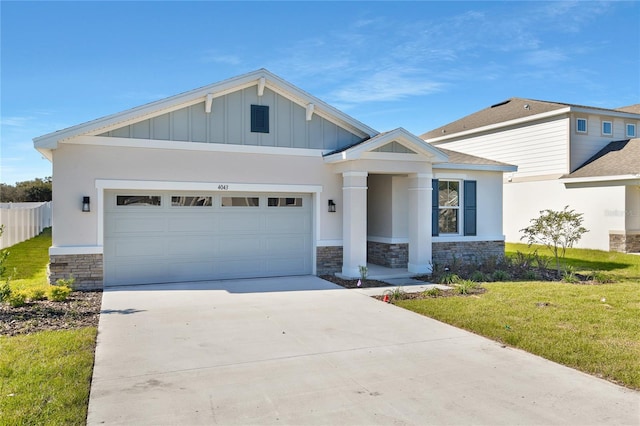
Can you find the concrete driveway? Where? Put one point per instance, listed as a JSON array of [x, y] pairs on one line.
[[300, 350]]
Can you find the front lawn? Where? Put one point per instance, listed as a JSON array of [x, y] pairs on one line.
[[45, 376], [593, 328]]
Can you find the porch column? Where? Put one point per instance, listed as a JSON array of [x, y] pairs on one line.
[[420, 223], [354, 222]]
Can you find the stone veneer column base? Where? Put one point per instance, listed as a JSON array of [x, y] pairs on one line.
[[328, 260], [87, 270], [625, 242], [388, 255], [467, 251]]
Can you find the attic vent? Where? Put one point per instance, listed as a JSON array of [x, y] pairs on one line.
[[501, 103]]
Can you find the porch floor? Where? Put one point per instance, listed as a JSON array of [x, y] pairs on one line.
[[382, 273]]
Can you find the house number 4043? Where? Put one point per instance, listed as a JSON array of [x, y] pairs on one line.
[[223, 187]]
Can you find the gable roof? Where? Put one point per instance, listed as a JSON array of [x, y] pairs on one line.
[[261, 78], [400, 135], [618, 158], [513, 111], [635, 109]]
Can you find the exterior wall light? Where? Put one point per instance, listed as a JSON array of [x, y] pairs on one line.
[[86, 207], [332, 206]]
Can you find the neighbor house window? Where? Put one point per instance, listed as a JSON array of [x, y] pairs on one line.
[[260, 118], [607, 128], [138, 200], [581, 125], [190, 201], [631, 130], [240, 201]]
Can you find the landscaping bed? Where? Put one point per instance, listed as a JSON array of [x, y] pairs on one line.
[[81, 309]]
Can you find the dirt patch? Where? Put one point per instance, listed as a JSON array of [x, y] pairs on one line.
[[81, 309]]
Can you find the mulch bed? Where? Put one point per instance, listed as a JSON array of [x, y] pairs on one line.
[[354, 283], [81, 309]]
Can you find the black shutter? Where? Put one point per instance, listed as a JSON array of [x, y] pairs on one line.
[[260, 118], [470, 214], [435, 205]]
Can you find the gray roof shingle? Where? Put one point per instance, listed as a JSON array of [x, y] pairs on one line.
[[507, 110], [616, 159]]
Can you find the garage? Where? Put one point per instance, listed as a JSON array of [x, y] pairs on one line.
[[177, 236]]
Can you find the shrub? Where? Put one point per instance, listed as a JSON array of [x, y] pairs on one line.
[[569, 276], [530, 275], [17, 299], [602, 278], [449, 278], [500, 275], [465, 286], [58, 293], [5, 291], [38, 293], [432, 292], [479, 277], [68, 282], [395, 294]]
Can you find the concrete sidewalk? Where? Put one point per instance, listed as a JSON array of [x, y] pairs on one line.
[[300, 350]]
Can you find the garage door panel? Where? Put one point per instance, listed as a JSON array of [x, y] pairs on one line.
[[194, 270], [132, 273], [147, 247], [240, 246], [240, 222], [123, 225], [287, 223], [174, 244], [192, 223], [287, 245], [193, 246]]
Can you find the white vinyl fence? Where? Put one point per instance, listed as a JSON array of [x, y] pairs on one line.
[[23, 221]]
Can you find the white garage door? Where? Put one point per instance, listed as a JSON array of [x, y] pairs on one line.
[[157, 237]]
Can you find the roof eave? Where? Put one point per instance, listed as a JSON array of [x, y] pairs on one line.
[[506, 168], [594, 181]]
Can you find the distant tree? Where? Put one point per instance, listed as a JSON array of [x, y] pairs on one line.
[[557, 230], [28, 191]]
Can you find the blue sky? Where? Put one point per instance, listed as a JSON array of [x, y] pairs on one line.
[[416, 65]]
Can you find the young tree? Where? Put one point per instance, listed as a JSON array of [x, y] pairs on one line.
[[557, 230]]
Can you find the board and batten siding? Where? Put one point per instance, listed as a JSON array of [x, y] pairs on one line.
[[537, 149], [230, 123], [586, 145]]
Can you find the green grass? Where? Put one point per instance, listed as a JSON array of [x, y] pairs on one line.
[[620, 265], [27, 262], [45, 377], [593, 328]]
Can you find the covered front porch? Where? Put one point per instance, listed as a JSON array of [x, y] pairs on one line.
[[387, 205]]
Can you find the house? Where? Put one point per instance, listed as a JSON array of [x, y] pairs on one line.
[[253, 177], [583, 157]]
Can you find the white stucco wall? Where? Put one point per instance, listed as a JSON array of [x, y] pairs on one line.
[[76, 168], [603, 208], [489, 197]]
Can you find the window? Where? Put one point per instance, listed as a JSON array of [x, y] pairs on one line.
[[581, 125], [260, 118], [448, 215], [607, 128], [240, 201], [631, 130], [190, 201], [284, 202], [138, 200], [448, 206]]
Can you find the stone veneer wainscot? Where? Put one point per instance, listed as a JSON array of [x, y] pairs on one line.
[[467, 251], [87, 269], [625, 242]]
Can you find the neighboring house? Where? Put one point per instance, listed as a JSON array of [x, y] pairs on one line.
[[584, 157], [253, 177]]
